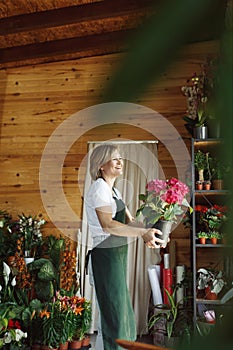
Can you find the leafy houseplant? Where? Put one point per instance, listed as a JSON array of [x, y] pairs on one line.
[[52, 324], [210, 281], [202, 236], [173, 319], [11, 335], [219, 172], [46, 271], [215, 234], [212, 218]]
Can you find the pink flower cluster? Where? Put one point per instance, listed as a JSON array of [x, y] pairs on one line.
[[171, 191]]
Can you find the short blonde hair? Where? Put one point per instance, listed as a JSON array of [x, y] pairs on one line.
[[100, 156]]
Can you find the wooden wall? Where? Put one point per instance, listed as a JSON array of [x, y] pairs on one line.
[[35, 100]]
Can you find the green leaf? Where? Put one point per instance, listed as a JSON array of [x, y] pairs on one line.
[[47, 272], [44, 289]]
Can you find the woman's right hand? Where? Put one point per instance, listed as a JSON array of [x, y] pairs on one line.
[[151, 240]]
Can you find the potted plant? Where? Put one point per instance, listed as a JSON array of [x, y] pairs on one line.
[[214, 236], [82, 322], [171, 320], [211, 282], [211, 218], [202, 236], [30, 230], [219, 170], [198, 93], [200, 164], [163, 202], [11, 334]]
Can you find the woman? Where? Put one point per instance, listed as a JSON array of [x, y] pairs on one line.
[[110, 223]]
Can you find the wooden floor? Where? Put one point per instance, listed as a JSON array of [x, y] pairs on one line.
[[148, 339]]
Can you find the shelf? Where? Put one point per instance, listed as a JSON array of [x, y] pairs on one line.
[[207, 141], [209, 245], [226, 297], [206, 301], [211, 192], [215, 254]]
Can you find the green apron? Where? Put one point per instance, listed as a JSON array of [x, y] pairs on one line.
[[109, 263]]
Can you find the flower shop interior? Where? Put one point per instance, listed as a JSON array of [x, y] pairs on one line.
[[78, 73]]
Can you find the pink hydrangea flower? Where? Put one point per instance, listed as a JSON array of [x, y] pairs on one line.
[[164, 199]]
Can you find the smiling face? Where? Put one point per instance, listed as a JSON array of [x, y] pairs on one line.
[[113, 167]]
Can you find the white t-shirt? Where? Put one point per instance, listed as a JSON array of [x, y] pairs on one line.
[[99, 195]]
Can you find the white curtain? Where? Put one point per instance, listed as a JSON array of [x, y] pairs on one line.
[[140, 166]]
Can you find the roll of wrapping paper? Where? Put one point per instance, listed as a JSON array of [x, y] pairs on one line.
[[155, 284], [180, 274], [167, 284]]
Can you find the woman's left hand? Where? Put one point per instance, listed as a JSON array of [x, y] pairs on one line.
[[151, 240]]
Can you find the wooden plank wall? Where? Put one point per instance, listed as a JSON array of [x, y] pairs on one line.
[[35, 100]]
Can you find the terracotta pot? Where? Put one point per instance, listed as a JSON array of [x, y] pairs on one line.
[[209, 295], [207, 186], [86, 341], [64, 346], [47, 347], [75, 344], [199, 186], [214, 240], [202, 240]]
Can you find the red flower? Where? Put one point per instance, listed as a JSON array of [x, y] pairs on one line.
[[11, 324], [14, 324]]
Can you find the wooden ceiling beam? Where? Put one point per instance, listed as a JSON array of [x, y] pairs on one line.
[[70, 15], [110, 40]]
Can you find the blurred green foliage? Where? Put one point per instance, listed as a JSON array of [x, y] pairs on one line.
[[152, 49]]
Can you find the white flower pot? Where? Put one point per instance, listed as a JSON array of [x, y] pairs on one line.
[[28, 260]]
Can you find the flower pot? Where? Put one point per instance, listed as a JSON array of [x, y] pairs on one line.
[[214, 240], [202, 240], [172, 342], [200, 132], [86, 341], [199, 186], [46, 347], [218, 184], [64, 346], [165, 227], [207, 186], [75, 344], [28, 260], [209, 295]]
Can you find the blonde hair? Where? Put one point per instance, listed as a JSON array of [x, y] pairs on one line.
[[100, 156]]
